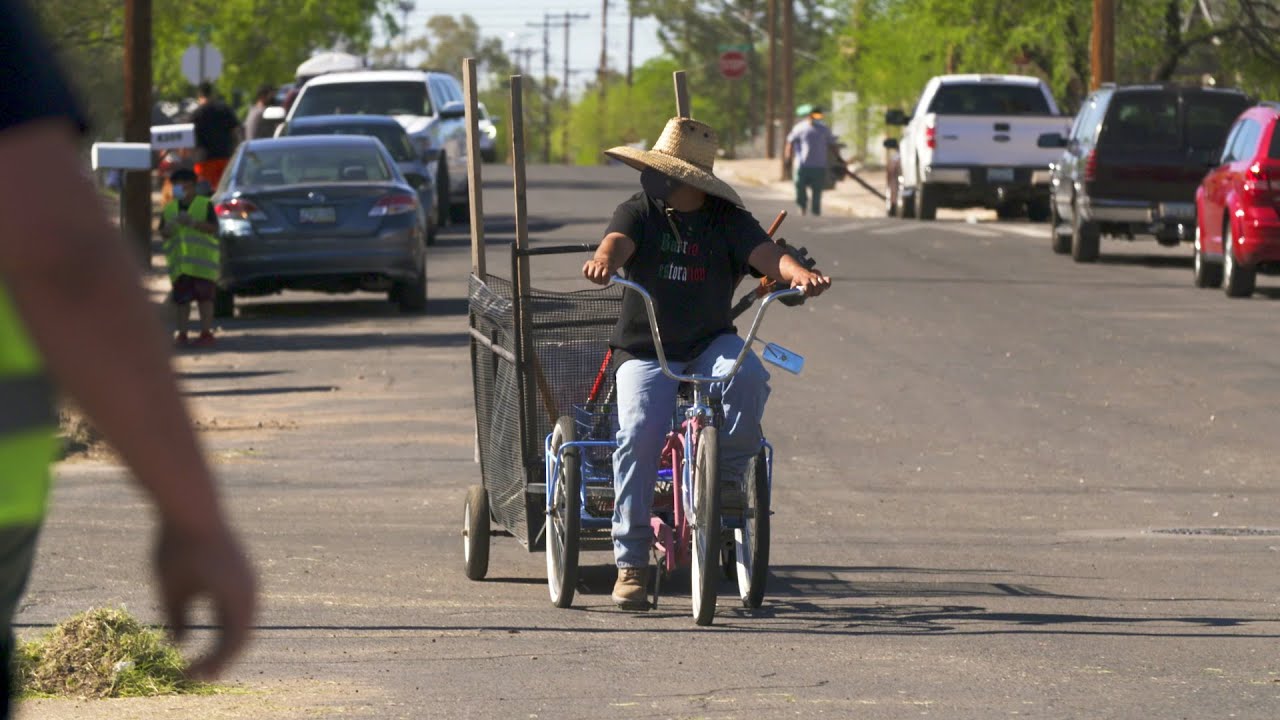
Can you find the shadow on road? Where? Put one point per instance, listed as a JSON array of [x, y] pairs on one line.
[[278, 390], [303, 342], [1152, 261], [228, 374]]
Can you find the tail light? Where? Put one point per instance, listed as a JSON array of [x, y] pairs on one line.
[[397, 204], [931, 137], [1091, 166], [239, 209], [1261, 183]]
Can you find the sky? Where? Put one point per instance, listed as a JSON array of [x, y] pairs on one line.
[[510, 21]]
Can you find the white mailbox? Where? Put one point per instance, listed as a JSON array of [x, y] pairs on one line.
[[121, 156], [173, 137]]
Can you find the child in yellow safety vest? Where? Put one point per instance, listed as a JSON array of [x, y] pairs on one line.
[[189, 228]]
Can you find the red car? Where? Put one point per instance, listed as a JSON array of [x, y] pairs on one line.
[[1238, 206]]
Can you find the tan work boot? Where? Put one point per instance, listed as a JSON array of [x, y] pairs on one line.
[[631, 592]]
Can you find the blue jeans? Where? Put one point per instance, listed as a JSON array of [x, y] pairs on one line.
[[646, 404], [810, 180]]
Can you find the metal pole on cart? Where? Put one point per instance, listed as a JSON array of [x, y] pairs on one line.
[[520, 275], [474, 185], [474, 188]]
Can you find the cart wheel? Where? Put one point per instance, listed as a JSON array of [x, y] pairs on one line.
[[475, 532], [565, 518], [751, 541], [704, 574]]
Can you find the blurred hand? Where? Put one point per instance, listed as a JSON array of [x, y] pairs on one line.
[[191, 565], [812, 282], [597, 271]]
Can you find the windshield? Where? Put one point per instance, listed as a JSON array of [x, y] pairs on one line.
[[366, 98], [1209, 117], [989, 99], [393, 137], [302, 165], [1274, 153]]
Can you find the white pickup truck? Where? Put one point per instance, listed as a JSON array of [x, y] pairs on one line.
[[972, 141]]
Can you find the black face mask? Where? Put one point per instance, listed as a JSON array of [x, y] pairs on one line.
[[656, 185]]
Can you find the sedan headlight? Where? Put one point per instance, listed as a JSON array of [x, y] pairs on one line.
[[491, 131]]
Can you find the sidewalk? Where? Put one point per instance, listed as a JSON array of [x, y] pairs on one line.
[[848, 198]]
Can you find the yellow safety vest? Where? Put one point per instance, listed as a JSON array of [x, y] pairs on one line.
[[189, 251], [28, 424]]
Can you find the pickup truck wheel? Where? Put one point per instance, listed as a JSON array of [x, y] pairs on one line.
[[224, 304], [926, 202], [907, 205], [1207, 274], [1086, 238], [1006, 211], [1060, 241], [1238, 280]]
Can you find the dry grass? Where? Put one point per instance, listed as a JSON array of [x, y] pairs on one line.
[[79, 437], [102, 653]]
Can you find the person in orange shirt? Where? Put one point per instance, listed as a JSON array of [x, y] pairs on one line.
[[217, 133]]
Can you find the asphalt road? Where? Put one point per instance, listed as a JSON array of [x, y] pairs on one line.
[[972, 473]]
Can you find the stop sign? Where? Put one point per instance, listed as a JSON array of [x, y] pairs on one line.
[[733, 64]]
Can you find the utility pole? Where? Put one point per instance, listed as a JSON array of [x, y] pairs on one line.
[[631, 38], [568, 18], [546, 85], [771, 85], [1103, 45], [406, 7], [603, 72], [523, 56], [788, 72], [135, 221]]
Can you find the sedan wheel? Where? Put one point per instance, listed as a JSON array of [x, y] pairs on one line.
[[1239, 281], [1207, 274]]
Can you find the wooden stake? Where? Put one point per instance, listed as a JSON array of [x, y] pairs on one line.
[[474, 184], [683, 108]]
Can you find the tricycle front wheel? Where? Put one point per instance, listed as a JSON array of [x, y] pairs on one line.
[[564, 519], [705, 570]]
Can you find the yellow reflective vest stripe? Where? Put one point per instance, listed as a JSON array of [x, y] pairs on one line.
[[189, 251], [28, 424]]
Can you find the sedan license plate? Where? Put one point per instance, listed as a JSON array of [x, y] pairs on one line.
[[1178, 210], [999, 175], [317, 215]]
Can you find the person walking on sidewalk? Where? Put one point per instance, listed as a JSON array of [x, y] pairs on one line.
[[253, 127], [686, 238], [217, 133], [806, 151], [73, 315], [189, 228]]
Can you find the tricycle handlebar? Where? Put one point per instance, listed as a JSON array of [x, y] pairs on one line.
[[657, 335]]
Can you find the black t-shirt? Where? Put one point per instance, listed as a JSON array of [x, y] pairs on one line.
[[215, 126], [31, 86], [691, 273]]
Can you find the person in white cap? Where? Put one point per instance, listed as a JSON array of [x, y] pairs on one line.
[[686, 239]]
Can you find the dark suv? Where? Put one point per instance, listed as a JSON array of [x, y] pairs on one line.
[[1132, 163]]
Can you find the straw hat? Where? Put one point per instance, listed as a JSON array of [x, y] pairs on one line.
[[686, 151]]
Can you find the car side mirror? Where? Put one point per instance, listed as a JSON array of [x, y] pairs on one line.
[[495, 119], [895, 117], [890, 144], [275, 113], [415, 180], [453, 109], [1051, 140]]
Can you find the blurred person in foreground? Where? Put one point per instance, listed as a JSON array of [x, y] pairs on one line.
[[73, 314], [217, 133]]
